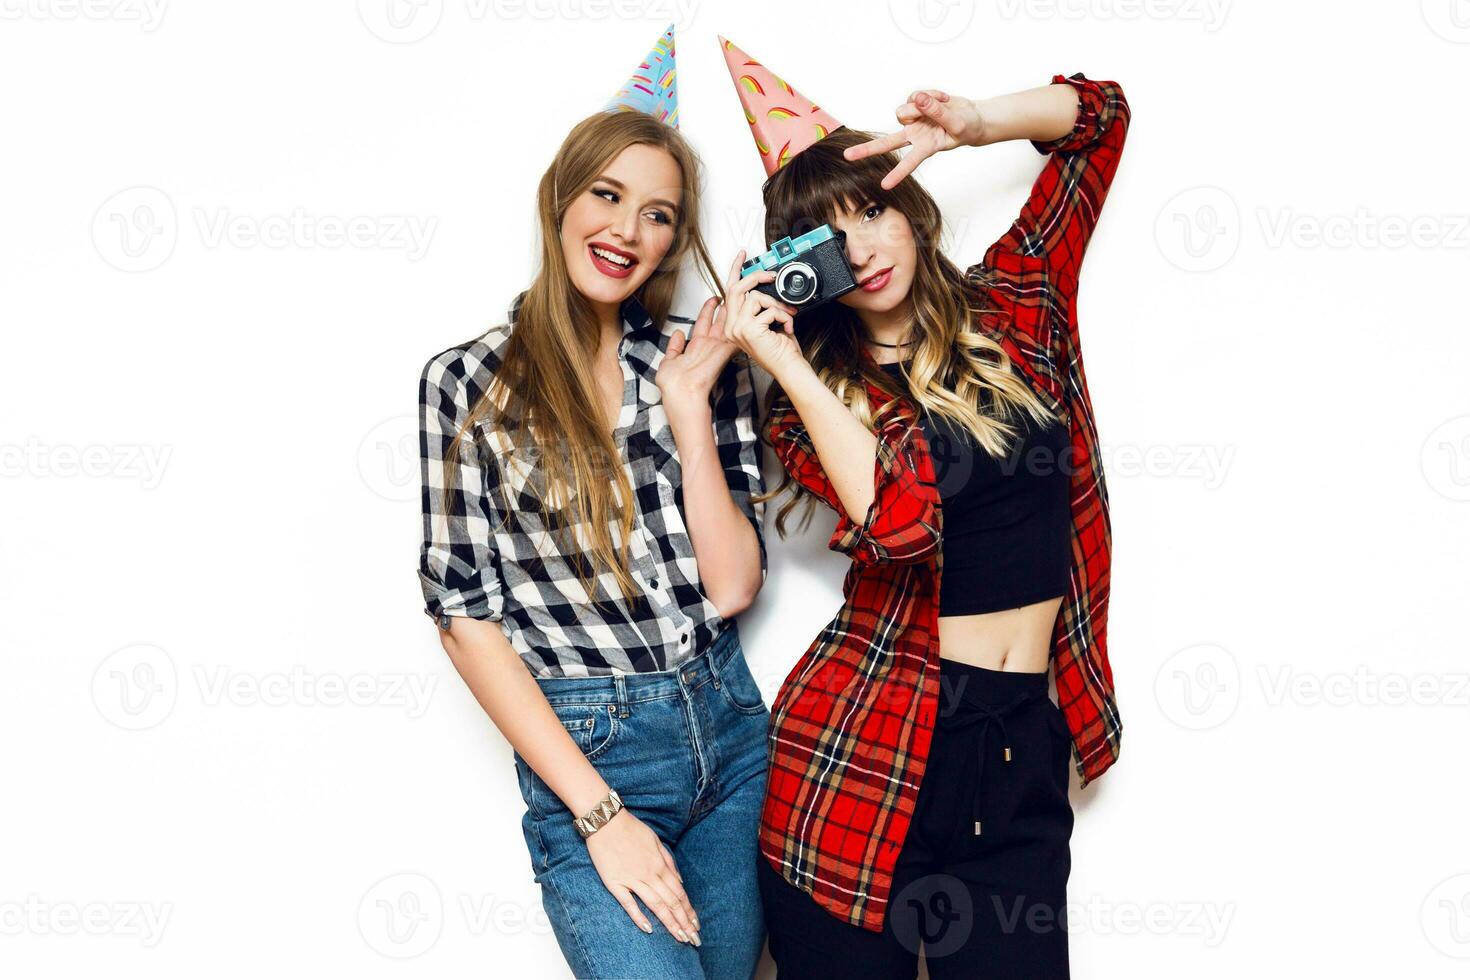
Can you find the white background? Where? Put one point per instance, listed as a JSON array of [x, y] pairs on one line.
[[210, 520]]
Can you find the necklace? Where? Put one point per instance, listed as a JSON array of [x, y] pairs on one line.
[[879, 343]]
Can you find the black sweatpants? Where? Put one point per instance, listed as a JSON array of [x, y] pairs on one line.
[[988, 905]]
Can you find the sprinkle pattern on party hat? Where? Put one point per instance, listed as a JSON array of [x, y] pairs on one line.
[[783, 122], [652, 88]]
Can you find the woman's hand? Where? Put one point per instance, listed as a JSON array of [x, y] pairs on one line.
[[631, 860], [747, 316], [932, 121], [689, 368]]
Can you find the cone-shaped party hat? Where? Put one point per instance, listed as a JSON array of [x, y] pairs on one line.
[[783, 122], [652, 87]]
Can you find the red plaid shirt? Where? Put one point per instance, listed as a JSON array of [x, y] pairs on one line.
[[851, 725]]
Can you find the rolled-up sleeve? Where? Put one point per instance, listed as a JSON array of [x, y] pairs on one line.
[[1099, 105], [901, 525], [739, 446], [1067, 197], [457, 561]]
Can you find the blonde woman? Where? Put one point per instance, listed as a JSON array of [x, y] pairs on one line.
[[590, 535]]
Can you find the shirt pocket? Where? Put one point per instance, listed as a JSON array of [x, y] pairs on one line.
[[520, 494]]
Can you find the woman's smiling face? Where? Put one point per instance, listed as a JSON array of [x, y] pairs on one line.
[[616, 232], [882, 253]]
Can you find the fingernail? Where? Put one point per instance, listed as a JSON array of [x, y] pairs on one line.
[[923, 99], [645, 927], [696, 940], [683, 937]]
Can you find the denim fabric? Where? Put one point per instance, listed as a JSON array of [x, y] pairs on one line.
[[686, 751]]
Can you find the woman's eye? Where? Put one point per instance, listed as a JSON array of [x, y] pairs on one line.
[[659, 218], [605, 194], [872, 211]]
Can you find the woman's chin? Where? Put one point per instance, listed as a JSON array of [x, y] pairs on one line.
[[603, 291]]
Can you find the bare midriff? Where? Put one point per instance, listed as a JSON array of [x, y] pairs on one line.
[[1006, 639]]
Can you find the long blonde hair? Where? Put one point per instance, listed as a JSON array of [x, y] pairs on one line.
[[544, 395], [956, 359]]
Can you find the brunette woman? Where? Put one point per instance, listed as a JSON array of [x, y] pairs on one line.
[[918, 793]]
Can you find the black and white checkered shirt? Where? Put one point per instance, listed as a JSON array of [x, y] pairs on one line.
[[490, 557]]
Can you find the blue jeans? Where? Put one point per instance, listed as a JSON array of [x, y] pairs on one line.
[[686, 750]]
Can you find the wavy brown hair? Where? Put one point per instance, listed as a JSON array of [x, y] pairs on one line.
[[959, 370], [544, 395]]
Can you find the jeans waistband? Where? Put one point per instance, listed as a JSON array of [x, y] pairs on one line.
[[627, 688]]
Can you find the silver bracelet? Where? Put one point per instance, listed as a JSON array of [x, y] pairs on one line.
[[599, 815]]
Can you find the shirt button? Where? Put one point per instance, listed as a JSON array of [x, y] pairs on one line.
[[653, 584], [683, 637]]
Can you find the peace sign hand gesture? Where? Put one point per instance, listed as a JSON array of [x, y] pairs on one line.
[[932, 121]]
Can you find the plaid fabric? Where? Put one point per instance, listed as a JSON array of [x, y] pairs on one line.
[[852, 723], [490, 555]]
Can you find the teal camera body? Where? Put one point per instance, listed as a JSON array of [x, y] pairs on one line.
[[810, 269]]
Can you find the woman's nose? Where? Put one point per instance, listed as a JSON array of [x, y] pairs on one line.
[[626, 226]]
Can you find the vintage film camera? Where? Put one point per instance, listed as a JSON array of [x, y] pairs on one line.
[[810, 269]]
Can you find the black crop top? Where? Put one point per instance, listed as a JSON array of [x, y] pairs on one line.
[[1006, 522]]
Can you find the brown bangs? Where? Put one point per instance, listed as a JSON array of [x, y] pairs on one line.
[[808, 192]]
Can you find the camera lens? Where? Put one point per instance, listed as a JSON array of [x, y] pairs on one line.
[[796, 283]]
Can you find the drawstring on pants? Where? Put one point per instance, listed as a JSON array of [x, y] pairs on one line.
[[983, 715]]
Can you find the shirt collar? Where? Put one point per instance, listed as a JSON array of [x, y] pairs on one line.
[[637, 323]]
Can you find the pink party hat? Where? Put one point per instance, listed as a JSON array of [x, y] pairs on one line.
[[783, 122], [652, 87]]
